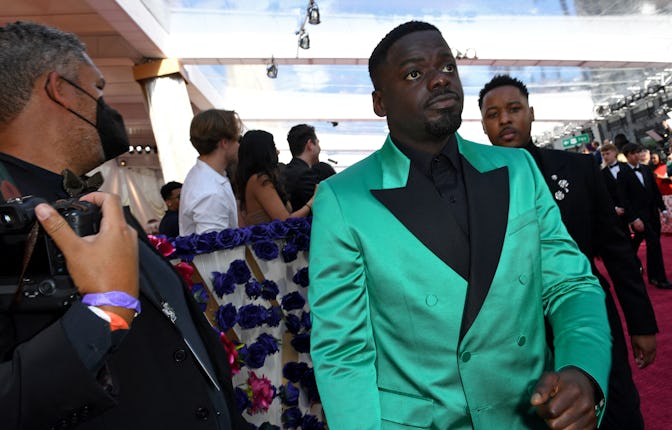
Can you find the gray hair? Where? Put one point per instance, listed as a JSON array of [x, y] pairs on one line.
[[28, 51]]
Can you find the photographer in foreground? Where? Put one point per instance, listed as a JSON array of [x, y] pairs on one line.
[[68, 366]]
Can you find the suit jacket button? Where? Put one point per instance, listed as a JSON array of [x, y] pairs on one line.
[[521, 340], [522, 279], [431, 300], [202, 413], [466, 356], [180, 355]]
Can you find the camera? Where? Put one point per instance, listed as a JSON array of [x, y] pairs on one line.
[[45, 283]]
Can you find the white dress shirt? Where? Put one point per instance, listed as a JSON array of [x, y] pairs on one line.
[[207, 202]]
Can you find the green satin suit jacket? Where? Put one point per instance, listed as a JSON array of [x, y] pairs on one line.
[[387, 313]]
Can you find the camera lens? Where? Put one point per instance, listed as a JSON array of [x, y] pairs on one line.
[[6, 218]]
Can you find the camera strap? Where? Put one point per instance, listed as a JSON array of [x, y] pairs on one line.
[[31, 240]]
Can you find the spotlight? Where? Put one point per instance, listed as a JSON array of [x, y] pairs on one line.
[[131, 149], [313, 13], [122, 163], [272, 69], [138, 148], [304, 40], [148, 149]]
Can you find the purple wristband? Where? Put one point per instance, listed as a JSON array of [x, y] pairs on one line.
[[112, 298]]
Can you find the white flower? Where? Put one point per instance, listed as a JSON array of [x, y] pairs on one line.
[[559, 195]]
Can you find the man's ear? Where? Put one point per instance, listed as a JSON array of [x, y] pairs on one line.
[[378, 105], [55, 90], [531, 113]]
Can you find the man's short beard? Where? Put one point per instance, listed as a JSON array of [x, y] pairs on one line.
[[447, 125]]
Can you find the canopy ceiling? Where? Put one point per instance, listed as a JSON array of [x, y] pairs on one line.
[[574, 55]]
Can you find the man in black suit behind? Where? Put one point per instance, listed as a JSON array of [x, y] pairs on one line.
[[588, 213], [298, 176], [643, 204], [610, 173]]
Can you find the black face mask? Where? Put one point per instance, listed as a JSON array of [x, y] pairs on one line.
[[109, 124]]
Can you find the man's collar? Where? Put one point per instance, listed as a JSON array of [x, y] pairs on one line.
[[424, 159]]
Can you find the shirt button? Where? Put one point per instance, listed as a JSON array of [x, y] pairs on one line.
[[202, 414], [522, 279], [179, 355], [521, 340], [431, 300], [466, 356]]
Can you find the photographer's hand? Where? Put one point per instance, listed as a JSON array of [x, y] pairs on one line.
[[106, 261]]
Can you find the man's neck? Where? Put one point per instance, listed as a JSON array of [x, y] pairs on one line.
[[306, 158], [216, 161]]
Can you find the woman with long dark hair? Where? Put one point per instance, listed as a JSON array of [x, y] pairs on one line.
[[262, 197]]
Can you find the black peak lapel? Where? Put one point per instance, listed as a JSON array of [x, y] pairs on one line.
[[421, 210], [488, 197]]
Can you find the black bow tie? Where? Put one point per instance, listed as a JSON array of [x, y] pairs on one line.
[[76, 186], [637, 169], [611, 166]]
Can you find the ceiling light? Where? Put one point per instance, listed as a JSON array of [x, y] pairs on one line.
[[304, 40], [313, 13], [470, 53], [272, 69]]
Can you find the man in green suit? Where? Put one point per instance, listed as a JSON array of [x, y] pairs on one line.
[[433, 263]]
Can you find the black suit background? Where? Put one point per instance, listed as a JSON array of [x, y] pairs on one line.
[[299, 181], [612, 187], [644, 202], [588, 213]]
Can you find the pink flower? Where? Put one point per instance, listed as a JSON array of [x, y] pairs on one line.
[[232, 352], [162, 245], [262, 393], [185, 270]]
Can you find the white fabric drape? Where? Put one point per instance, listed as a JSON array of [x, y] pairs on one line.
[[138, 188], [170, 113]]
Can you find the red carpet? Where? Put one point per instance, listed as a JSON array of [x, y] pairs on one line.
[[655, 381]]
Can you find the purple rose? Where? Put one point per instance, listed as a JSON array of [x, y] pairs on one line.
[[301, 277], [301, 342], [239, 271], [266, 249], [293, 323], [183, 248], [204, 243], [269, 289], [293, 371], [250, 316], [302, 241], [222, 283], [292, 301], [277, 229], [253, 289], [228, 238], [310, 386], [226, 316], [269, 343], [306, 321], [242, 399], [298, 225], [256, 355], [310, 422], [289, 395], [258, 232], [291, 418], [289, 251], [274, 316]]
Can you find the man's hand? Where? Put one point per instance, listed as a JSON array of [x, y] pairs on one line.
[[644, 349], [638, 225], [620, 211], [565, 400], [106, 261]]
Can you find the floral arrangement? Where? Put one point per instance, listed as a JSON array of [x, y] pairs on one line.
[[264, 307]]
